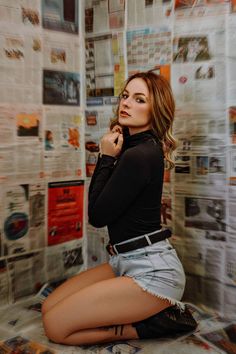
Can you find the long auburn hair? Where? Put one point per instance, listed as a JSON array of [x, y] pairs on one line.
[[162, 110]]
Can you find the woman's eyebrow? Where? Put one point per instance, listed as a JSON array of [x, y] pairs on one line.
[[136, 93]]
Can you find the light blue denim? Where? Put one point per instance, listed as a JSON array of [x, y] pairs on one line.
[[155, 268]]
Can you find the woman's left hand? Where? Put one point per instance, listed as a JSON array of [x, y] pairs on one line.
[[111, 143]]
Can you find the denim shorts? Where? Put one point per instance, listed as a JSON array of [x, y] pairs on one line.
[[155, 268]]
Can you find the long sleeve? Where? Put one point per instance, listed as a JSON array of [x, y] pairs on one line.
[[105, 163], [114, 188]]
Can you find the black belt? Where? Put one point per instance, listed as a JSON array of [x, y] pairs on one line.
[[145, 240]]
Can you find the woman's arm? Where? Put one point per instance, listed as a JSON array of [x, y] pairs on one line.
[[114, 190]]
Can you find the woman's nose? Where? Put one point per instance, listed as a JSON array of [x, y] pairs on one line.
[[126, 102]]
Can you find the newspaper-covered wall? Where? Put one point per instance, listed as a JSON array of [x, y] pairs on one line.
[[191, 43], [42, 153], [62, 66]]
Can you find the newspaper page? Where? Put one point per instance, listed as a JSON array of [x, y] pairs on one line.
[[96, 125], [198, 69], [229, 301], [27, 13], [61, 52], [23, 218], [223, 338], [190, 344], [64, 260], [148, 47], [20, 135], [231, 77], [27, 274], [100, 61], [58, 17], [19, 344], [143, 12], [119, 61], [104, 15], [4, 283], [65, 211], [97, 241], [105, 68], [20, 66], [63, 143], [198, 9]]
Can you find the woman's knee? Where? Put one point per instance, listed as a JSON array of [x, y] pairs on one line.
[[53, 328], [45, 306]]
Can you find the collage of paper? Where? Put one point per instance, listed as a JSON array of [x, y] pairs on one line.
[[63, 64]]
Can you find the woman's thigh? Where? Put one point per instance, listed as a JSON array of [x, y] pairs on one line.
[[76, 283], [106, 303]]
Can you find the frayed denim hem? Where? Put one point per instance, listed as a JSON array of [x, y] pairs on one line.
[[180, 305]]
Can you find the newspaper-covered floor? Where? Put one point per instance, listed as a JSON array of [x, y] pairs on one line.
[[21, 332]]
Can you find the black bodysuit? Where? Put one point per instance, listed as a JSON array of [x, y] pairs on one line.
[[125, 193]]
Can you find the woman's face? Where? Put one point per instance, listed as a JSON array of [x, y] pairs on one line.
[[135, 107]]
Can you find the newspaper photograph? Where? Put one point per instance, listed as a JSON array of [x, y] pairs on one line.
[[61, 15], [61, 88], [197, 9], [204, 213], [64, 260], [197, 216], [101, 55]]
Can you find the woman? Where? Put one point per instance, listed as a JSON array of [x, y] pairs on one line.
[[125, 298]]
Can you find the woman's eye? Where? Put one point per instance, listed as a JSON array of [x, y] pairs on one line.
[[124, 96], [140, 100]]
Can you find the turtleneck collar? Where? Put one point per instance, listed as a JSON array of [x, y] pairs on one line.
[[135, 139]]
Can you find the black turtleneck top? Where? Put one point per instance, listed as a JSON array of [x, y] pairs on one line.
[[125, 193]]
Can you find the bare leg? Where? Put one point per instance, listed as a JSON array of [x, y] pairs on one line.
[[76, 283], [106, 303]]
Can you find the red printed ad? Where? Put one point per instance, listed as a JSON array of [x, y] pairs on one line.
[[65, 211]]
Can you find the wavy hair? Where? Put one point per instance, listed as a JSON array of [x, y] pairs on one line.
[[162, 111]]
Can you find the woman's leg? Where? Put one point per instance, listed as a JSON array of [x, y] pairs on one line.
[[76, 283], [81, 317]]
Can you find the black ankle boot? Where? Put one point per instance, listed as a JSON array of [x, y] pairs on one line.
[[171, 322]]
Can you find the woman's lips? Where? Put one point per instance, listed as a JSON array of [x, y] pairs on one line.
[[124, 114]]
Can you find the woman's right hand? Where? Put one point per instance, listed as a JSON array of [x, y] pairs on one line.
[[117, 128], [111, 143]]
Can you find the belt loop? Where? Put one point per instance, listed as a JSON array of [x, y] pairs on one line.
[[148, 240]]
